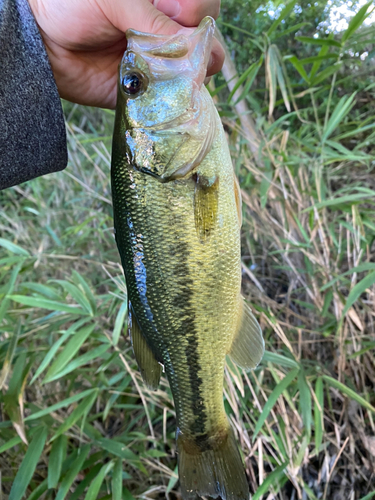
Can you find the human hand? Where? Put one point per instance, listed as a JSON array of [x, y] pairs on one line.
[[85, 39]]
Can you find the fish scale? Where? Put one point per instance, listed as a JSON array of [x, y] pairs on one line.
[[177, 223]]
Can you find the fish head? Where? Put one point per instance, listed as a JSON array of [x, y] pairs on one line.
[[163, 114]]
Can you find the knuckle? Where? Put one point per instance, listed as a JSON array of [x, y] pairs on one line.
[[159, 23]]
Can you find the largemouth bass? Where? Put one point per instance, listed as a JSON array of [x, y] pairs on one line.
[[177, 217]]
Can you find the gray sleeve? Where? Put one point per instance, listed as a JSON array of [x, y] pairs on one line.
[[32, 130]]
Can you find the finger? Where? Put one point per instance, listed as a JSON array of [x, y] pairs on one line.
[[144, 17], [217, 58], [188, 12]]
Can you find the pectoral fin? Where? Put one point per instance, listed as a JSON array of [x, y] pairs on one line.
[[150, 369], [206, 200], [248, 345]]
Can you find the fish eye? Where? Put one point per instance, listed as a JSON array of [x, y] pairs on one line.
[[132, 82]]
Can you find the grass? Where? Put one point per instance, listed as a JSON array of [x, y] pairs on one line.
[[77, 421]]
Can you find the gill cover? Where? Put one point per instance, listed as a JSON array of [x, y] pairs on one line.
[[167, 115]]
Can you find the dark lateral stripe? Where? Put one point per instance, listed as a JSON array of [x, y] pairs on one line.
[[188, 331]]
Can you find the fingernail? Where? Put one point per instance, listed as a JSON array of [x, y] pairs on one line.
[[170, 8]]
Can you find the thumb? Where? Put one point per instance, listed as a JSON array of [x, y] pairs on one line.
[[139, 15]]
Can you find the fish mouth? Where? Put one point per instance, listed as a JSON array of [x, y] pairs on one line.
[[186, 52]]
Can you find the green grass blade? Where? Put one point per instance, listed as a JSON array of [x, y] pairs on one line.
[[253, 67], [5, 300], [81, 361], [72, 473], [286, 381], [367, 266], [60, 404], [292, 29], [315, 67], [9, 444], [298, 66], [70, 350], [120, 318], [251, 36], [77, 295], [320, 58], [42, 303], [172, 480], [283, 15], [270, 480], [349, 392], [342, 108], [357, 291], [12, 247], [278, 359], [319, 41], [94, 488], [82, 409], [319, 413], [85, 483], [79, 280], [47, 291], [355, 132], [271, 72], [350, 198], [117, 448], [127, 495], [356, 22], [369, 496], [55, 461], [325, 73], [117, 480], [280, 78], [39, 491], [250, 80], [29, 464], [48, 357], [305, 401], [7, 363]]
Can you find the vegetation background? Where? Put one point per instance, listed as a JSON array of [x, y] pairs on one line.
[[76, 420]]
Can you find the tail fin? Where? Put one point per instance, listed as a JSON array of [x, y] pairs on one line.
[[215, 472]]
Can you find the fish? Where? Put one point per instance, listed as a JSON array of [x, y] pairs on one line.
[[177, 219]]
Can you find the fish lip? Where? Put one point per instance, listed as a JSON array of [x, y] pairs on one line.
[[206, 25], [194, 47]]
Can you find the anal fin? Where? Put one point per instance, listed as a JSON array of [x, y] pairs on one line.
[[150, 369], [248, 345]]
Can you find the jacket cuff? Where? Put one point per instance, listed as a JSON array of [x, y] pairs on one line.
[[32, 129]]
